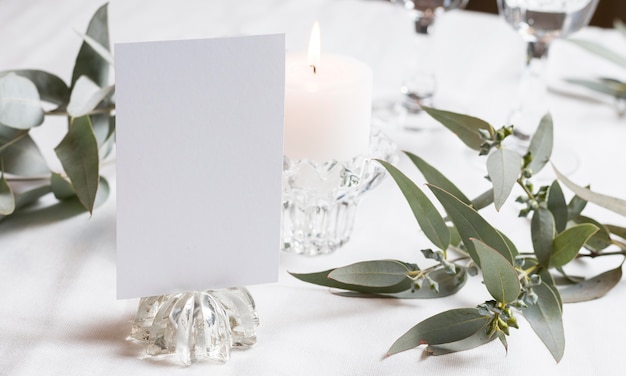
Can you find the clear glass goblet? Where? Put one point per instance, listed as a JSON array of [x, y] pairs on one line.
[[539, 22], [420, 86]]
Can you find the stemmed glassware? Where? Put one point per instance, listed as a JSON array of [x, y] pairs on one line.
[[540, 22], [420, 86]]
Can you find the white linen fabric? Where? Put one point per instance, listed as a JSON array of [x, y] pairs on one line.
[[58, 312]]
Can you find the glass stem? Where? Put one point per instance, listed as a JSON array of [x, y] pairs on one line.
[[419, 87], [531, 102]]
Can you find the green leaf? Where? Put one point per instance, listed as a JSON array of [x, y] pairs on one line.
[[7, 200], [20, 106], [557, 206], [21, 156], [481, 337], [434, 177], [540, 147], [592, 288], [78, 153], [61, 188], [446, 327], [598, 241], [426, 214], [97, 47], [89, 62], [86, 95], [503, 166], [50, 87], [471, 225], [605, 87], [542, 229], [617, 230], [499, 275], [614, 204], [545, 317], [575, 206], [464, 126], [449, 284], [567, 244], [321, 279], [382, 273], [104, 128], [601, 51]]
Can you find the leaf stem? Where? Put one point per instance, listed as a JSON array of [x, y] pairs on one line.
[[99, 110], [594, 255]]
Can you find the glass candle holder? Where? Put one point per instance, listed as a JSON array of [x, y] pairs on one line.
[[196, 325], [320, 198]]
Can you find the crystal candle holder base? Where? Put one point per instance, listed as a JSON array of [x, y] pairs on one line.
[[320, 198], [196, 325]]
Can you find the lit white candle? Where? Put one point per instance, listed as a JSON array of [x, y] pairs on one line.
[[327, 105]]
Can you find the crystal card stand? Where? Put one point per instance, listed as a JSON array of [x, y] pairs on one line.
[[196, 325], [320, 199]]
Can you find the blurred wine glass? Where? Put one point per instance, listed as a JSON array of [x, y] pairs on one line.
[[539, 22], [420, 85]]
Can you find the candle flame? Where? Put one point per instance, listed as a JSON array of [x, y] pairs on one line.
[[314, 47]]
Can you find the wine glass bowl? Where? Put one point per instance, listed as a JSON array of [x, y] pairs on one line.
[[539, 22], [542, 21]]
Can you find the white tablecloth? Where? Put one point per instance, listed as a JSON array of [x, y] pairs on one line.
[[58, 311]]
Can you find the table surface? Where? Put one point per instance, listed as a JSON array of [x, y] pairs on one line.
[[59, 314]]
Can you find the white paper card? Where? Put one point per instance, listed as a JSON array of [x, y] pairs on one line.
[[199, 163]]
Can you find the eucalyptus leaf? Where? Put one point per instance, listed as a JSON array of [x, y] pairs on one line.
[[50, 87], [321, 279], [567, 244], [470, 224], [20, 105], [447, 327], [503, 166], [464, 126], [499, 275], [434, 177], [449, 284], [601, 51], [426, 214], [592, 288], [9, 136], [61, 188], [86, 95], [78, 153], [89, 62], [540, 147], [7, 200], [382, 273], [604, 87], [26, 198], [617, 230], [542, 230], [479, 338], [557, 206], [97, 47], [22, 157], [614, 204], [598, 241], [575, 206], [546, 319]]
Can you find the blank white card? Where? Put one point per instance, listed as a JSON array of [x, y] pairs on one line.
[[199, 163]]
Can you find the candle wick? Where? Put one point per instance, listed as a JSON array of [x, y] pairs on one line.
[[314, 68]]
